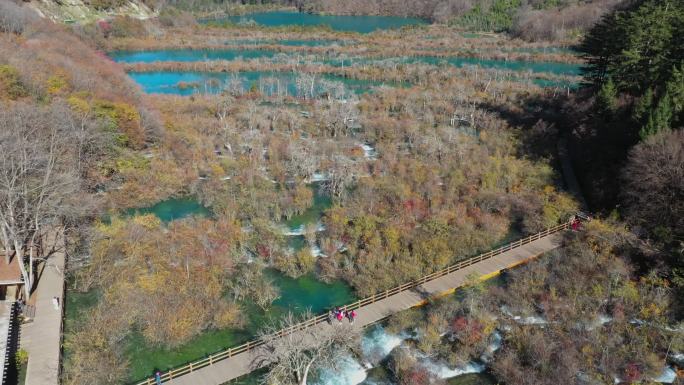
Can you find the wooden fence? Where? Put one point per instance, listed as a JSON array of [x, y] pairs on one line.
[[213, 358]]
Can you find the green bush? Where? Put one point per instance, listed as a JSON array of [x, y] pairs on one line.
[[10, 83], [106, 4], [21, 357], [123, 26], [497, 17]]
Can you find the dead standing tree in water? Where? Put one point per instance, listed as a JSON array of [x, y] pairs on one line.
[[293, 357], [37, 180]]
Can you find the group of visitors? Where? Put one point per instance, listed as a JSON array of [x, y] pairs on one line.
[[341, 314]]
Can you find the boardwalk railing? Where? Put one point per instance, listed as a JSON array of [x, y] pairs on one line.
[[212, 359]]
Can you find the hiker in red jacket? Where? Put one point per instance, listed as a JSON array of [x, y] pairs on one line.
[[351, 315]]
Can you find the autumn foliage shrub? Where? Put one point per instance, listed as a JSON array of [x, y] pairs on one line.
[[11, 86], [106, 4], [559, 23], [170, 295], [125, 26]]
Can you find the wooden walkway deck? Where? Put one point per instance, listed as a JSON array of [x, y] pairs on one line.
[[240, 364], [42, 338]]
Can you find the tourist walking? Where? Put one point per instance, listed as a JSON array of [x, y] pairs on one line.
[[157, 378], [340, 316], [351, 315], [331, 315], [575, 223]]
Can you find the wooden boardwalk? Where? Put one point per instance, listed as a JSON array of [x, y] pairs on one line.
[[240, 364], [42, 338]]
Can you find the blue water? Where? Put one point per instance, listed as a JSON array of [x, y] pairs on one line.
[[187, 55], [555, 68], [511, 65], [288, 42], [269, 83], [360, 24], [307, 292]]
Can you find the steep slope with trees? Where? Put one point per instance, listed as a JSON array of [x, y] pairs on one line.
[[50, 147], [629, 148]]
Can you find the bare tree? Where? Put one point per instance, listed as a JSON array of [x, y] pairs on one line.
[[341, 175], [291, 358], [14, 17], [37, 179], [654, 185]]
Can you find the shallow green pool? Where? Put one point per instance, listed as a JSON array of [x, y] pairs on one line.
[[297, 295], [313, 214], [76, 303], [172, 209]]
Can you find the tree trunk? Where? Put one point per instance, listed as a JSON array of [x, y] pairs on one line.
[[20, 260], [306, 372], [8, 248], [32, 248]]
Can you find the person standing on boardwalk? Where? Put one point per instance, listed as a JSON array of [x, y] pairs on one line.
[[157, 378], [575, 223], [352, 316], [331, 315]]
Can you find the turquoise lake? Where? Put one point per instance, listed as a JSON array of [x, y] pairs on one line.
[[268, 83], [510, 65], [189, 55], [360, 24]]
